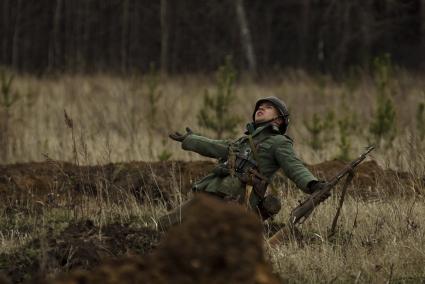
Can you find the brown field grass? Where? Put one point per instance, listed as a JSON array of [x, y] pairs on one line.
[[378, 240], [112, 124]]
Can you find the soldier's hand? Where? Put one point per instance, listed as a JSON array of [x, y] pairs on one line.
[[319, 185], [177, 136]]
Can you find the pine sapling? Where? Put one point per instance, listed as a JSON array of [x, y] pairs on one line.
[[319, 129], [346, 126], [7, 100], [420, 120], [383, 127], [215, 113]]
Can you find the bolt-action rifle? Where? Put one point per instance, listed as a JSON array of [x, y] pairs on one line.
[[302, 211]]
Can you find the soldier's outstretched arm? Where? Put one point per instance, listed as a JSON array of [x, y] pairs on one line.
[[292, 166], [202, 145]]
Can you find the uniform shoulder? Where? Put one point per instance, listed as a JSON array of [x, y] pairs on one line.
[[281, 139]]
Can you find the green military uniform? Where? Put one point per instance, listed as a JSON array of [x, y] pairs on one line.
[[242, 163], [274, 151]]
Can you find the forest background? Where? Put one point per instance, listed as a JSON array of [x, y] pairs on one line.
[[195, 36], [129, 72]]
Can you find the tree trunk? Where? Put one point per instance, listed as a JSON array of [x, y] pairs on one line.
[[164, 38], [422, 21], [366, 15], [54, 49], [83, 35], [124, 36], [304, 33], [268, 36], [5, 32], [16, 37], [344, 10], [246, 36]]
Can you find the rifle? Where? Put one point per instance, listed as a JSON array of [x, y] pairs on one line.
[[303, 211]]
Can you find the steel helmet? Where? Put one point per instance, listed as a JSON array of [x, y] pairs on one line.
[[280, 106]]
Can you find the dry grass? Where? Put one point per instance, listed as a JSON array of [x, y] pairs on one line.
[[111, 123], [378, 240]]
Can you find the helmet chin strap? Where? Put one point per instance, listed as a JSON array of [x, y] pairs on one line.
[[268, 121]]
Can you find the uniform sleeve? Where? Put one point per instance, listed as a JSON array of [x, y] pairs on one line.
[[292, 166], [205, 146]]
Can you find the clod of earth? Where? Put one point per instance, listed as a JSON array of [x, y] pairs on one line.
[[217, 243], [80, 245]]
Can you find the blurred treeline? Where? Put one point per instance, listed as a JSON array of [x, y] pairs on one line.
[[195, 36]]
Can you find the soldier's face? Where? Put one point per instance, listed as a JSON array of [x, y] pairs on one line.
[[265, 112]]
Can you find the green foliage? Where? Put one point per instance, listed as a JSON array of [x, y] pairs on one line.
[[8, 97], [383, 126], [7, 100], [352, 80], [321, 83], [420, 120], [215, 113], [319, 129], [346, 125], [154, 95], [383, 73], [165, 155]]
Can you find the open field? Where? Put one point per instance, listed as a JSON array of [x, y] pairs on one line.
[[121, 119], [60, 213], [57, 217]]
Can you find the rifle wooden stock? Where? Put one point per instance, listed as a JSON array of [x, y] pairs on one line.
[[302, 211]]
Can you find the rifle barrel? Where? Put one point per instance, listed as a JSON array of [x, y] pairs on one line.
[[302, 211], [350, 166]]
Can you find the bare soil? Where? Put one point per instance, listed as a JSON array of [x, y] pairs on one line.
[[81, 245], [52, 181], [226, 247], [371, 180]]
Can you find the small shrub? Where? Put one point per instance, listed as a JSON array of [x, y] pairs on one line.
[[346, 125], [420, 120], [165, 155], [154, 95], [383, 127], [215, 113], [383, 74], [319, 129], [8, 98]]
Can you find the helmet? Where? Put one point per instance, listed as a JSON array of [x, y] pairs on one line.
[[281, 107]]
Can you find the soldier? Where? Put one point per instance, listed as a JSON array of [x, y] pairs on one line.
[[247, 164]]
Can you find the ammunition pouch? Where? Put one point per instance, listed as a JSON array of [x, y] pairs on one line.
[[241, 166], [258, 182], [269, 207], [247, 172]]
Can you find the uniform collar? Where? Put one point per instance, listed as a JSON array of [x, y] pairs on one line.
[[253, 130]]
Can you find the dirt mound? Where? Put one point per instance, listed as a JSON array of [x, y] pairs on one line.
[[80, 245], [52, 181], [217, 243], [370, 179]]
